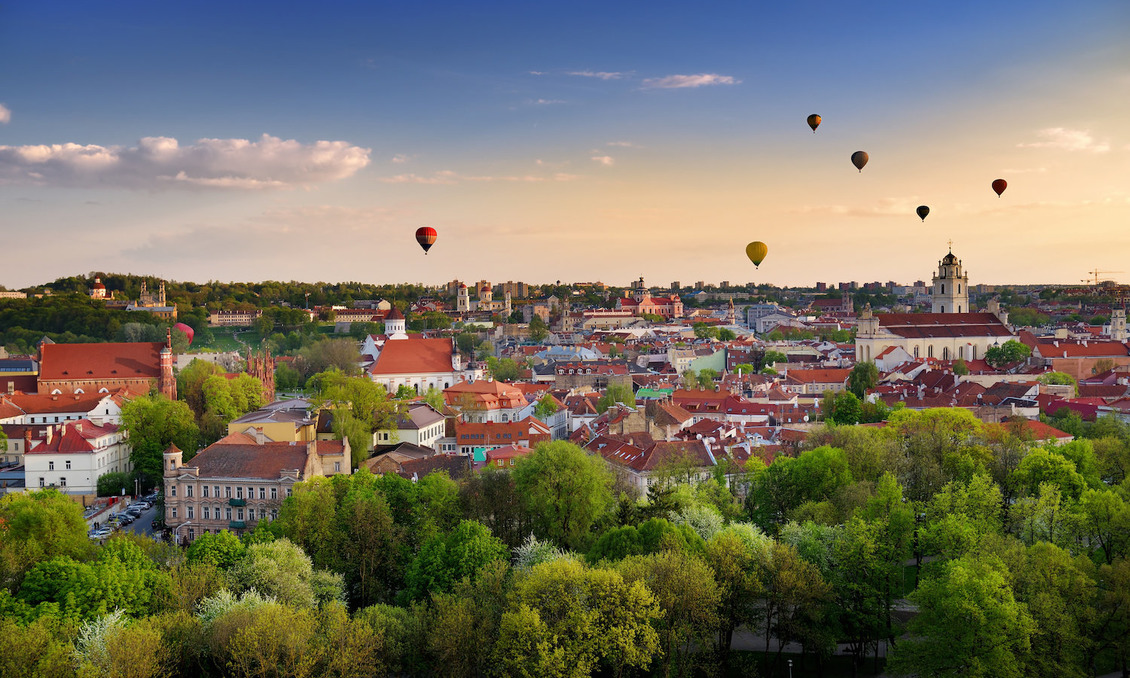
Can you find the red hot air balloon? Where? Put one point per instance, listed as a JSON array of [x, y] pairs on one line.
[[999, 185], [188, 331], [426, 236], [814, 122]]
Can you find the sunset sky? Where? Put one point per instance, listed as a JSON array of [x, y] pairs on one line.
[[570, 140]]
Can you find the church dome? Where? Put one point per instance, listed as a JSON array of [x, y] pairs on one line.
[[949, 260], [98, 284]]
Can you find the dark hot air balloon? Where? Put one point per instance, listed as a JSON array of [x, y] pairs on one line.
[[922, 211], [999, 185], [426, 236], [814, 122], [756, 252], [188, 331], [859, 159]]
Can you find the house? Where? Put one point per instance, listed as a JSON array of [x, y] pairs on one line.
[[504, 457], [487, 401], [641, 302], [415, 362], [35, 408], [138, 367], [74, 455], [417, 424], [481, 437], [816, 382], [281, 421], [652, 462], [235, 482]]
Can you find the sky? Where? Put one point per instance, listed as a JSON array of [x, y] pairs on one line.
[[573, 141]]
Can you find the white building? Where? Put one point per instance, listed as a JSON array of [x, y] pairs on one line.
[[420, 424], [74, 455]]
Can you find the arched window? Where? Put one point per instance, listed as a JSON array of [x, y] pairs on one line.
[[930, 351], [943, 288], [973, 352], [945, 353], [959, 308], [79, 390], [916, 351]]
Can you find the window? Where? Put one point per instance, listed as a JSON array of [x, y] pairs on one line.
[[227, 492], [227, 513], [943, 288], [191, 533], [190, 512], [251, 514], [174, 511], [274, 493], [50, 466], [172, 491], [274, 514], [288, 491], [62, 482], [188, 490], [262, 493], [239, 514], [41, 483], [203, 490], [337, 467], [239, 493], [68, 464], [216, 491], [207, 513], [251, 493]]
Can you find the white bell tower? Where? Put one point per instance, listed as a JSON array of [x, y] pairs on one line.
[[950, 292]]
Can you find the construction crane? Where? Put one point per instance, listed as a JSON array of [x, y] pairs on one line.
[[1095, 276]]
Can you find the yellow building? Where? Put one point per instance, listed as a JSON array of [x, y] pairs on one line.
[[282, 421]]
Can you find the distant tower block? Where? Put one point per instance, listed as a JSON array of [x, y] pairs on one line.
[[950, 291]]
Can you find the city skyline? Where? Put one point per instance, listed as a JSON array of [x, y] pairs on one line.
[[588, 142]]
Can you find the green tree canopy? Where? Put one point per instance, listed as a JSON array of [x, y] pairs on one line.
[[565, 490]]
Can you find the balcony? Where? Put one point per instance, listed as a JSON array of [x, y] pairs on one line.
[[237, 502], [237, 525]]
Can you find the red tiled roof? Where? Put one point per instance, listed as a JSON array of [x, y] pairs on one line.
[[1092, 349], [74, 437], [826, 376], [918, 325], [100, 361], [35, 403], [222, 460], [414, 356]]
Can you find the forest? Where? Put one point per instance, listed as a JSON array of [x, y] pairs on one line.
[[936, 545]]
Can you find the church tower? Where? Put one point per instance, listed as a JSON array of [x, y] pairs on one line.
[[950, 292], [641, 293], [395, 324], [463, 301]]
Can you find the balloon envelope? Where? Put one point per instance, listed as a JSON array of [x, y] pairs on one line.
[[922, 211], [999, 185], [756, 252], [426, 236], [859, 159], [814, 122], [188, 331]]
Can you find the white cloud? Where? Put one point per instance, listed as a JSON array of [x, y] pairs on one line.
[[605, 160], [886, 207], [1068, 140], [161, 162], [682, 81], [603, 75], [5, 115], [400, 158], [622, 144], [537, 72], [547, 102]]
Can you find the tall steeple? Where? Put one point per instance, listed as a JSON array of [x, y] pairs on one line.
[[950, 291]]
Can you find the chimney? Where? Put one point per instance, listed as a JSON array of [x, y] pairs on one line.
[[50, 429]]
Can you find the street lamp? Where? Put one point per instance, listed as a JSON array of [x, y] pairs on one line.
[[177, 529], [790, 668]]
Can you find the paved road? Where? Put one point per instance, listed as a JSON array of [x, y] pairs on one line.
[[144, 524]]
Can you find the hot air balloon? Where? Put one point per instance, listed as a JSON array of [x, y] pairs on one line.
[[426, 236], [814, 122], [756, 252], [188, 331], [999, 185], [922, 211], [859, 159]]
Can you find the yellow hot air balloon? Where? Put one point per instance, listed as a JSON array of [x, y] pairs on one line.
[[756, 252]]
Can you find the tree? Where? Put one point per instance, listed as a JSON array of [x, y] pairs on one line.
[[538, 329], [281, 570], [688, 599], [960, 368], [862, 378], [616, 393], [287, 378], [35, 526], [734, 556], [565, 491], [221, 550], [1012, 351], [153, 423], [115, 484], [968, 624], [446, 559], [547, 406], [567, 619], [110, 646], [843, 408]]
